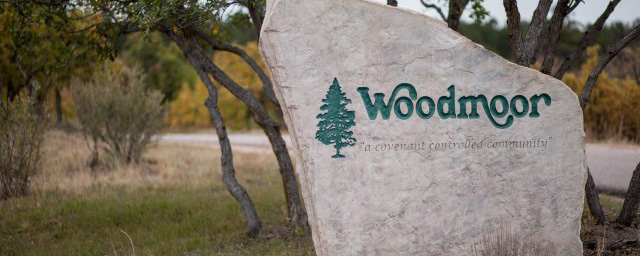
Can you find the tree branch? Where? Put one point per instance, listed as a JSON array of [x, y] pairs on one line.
[[435, 7], [266, 82], [586, 39], [561, 11], [535, 29], [513, 29], [611, 53]]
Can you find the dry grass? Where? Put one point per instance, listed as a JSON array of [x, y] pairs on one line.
[[65, 166], [172, 203], [504, 242]]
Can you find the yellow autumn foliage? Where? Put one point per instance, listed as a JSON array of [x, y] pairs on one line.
[[188, 110], [614, 108]]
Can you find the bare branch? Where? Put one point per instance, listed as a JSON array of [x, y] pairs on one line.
[[559, 14], [586, 39], [574, 4], [266, 82], [435, 7], [611, 53]]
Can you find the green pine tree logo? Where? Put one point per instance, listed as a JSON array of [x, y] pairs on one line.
[[336, 120]]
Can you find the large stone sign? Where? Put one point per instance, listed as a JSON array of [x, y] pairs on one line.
[[412, 140]]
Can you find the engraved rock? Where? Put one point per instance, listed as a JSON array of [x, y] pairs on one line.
[[412, 140]]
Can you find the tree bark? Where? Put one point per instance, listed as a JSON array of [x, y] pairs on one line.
[[559, 14], [630, 207], [392, 2], [523, 51], [296, 212], [586, 40], [593, 200], [513, 30], [226, 159], [456, 8], [536, 27]]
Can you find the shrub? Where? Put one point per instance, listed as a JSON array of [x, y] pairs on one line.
[[21, 130], [116, 108]]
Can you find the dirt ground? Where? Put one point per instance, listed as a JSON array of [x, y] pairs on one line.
[[610, 239]]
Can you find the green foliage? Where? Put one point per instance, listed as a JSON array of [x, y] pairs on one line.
[[120, 110], [162, 61], [41, 46], [478, 12], [336, 121], [238, 29], [21, 131], [489, 35]]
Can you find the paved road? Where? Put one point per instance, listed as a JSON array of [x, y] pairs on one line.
[[611, 166]]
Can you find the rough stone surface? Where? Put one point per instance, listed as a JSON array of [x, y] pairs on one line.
[[412, 200]]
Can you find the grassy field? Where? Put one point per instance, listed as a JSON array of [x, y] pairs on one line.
[[173, 203]]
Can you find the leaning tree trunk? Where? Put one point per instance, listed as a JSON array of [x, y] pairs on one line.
[[226, 159], [593, 200], [297, 214], [296, 211], [631, 200]]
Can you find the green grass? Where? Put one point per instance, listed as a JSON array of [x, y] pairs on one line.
[[160, 221]]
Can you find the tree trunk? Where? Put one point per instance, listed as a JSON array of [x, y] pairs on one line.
[[553, 36], [93, 161], [593, 200], [296, 212], [58, 106], [456, 8], [228, 172], [226, 158], [630, 206], [256, 11]]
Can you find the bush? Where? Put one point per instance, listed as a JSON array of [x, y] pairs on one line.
[[116, 108], [21, 130]]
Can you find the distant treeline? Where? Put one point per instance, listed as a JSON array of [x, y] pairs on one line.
[[614, 112]]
